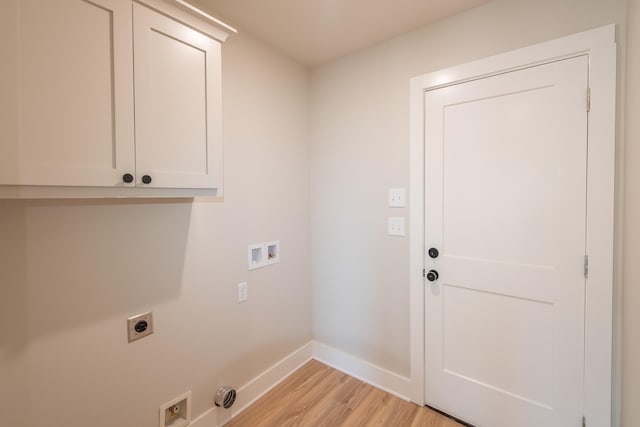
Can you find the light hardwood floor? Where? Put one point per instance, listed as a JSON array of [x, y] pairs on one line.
[[318, 395]]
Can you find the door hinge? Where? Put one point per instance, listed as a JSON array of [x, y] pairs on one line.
[[584, 422], [424, 272], [588, 99], [586, 266]]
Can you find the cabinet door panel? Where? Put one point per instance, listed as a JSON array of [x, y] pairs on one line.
[[76, 108], [9, 91], [177, 90]]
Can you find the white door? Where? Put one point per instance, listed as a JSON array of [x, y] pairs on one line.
[[177, 103], [505, 173]]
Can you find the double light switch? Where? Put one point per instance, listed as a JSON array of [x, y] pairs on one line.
[[397, 199]]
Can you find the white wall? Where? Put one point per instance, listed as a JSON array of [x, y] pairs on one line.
[[631, 272], [360, 148], [73, 271]]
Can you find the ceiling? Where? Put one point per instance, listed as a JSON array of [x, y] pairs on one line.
[[317, 31]]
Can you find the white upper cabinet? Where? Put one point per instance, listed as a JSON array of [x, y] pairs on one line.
[[68, 112]]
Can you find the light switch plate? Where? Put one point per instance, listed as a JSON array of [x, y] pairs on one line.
[[397, 198], [243, 292], [396, 226]]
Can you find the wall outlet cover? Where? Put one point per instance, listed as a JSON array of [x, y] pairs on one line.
[[139, 326], [243, 292]]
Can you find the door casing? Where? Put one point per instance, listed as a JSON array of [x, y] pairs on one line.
[[600, 46]]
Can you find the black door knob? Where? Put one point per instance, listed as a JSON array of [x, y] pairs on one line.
[[432, 275], [128, 178], [146, 179], [433, 253]]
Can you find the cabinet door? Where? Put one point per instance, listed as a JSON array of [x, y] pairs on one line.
[[74, 99], [177, 103]]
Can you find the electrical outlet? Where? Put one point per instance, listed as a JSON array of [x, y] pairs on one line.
[[139, 326], [243, 292]]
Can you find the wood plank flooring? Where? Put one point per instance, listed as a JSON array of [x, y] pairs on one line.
[[318, 395]]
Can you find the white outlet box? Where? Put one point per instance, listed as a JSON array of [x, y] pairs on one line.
[[272, 252], [263, 254], [256, 256], [243, 292], [395, 226], [177, 412]]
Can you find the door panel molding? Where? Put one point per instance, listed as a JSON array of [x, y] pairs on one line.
[[599, 45]]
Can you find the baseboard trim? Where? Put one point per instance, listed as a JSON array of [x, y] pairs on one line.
[[270, 378], [368, 372], [256, 388], [247, 394], [207, 419]]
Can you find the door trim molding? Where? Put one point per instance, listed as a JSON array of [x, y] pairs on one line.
[[600, 45]]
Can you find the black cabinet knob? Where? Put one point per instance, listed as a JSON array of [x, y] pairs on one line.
[[432, 275], [433, 253], [128, 178], [146, 179]]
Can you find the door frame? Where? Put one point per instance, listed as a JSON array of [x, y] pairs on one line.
[[600, 46]]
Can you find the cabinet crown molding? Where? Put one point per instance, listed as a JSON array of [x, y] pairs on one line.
[[192, 16]]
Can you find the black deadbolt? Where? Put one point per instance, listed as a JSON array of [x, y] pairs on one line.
[[141, 326], [128, 178], [432, 275], [146, 179], [433, 253]]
